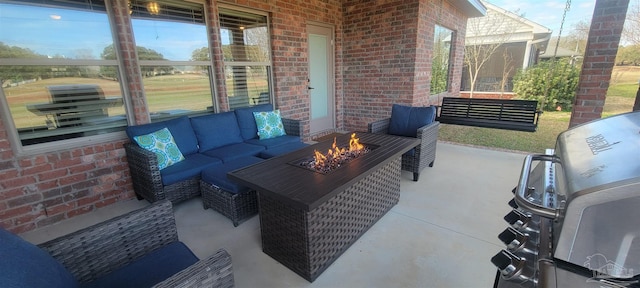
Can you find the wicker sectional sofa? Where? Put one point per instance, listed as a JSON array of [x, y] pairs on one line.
[[206, 142]]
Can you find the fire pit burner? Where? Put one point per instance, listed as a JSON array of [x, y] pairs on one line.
[[335, 157]]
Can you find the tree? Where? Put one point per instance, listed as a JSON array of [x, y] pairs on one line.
[[631, 32], [559, 84], [19, 73], [507, 59], [628, 55], [143, 54], [485, 35]]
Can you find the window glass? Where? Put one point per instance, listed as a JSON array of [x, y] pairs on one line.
[[440, 61], [247, 58], [54, 79], [173, 50]]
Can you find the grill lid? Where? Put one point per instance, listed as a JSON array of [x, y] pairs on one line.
[[601, 152]]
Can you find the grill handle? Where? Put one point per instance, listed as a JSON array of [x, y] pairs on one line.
[[521, 199]]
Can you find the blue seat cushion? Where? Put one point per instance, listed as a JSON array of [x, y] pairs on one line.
[[149, 270], [180, 129], [234, 151], [274, 142], [25, 265], [218, 175], [188, 168], [282, 149], [216, 130], [247, 122], [405, 120]]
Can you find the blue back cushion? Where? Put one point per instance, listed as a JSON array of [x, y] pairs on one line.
[[247, 122], [405, 120], [216, 130], [25, 265], [180, 129]]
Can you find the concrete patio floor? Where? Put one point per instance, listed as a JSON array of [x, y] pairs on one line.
[[441, 234]]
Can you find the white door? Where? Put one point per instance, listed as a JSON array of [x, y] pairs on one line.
[[321, 79]]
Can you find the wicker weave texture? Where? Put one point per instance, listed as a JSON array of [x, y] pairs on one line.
[[424, 154], [147, 181], [292, 127], [97, 250], [308, 242], [237, 207], [216, 271]]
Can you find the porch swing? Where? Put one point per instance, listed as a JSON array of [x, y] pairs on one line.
[[516, 115]]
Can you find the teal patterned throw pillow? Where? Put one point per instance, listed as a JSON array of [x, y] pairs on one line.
[[161, 142], [269, 124]]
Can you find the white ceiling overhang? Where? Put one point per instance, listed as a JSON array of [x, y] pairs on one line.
[[470, 8]]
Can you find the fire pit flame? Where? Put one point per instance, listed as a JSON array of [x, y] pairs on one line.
[[336, 156]]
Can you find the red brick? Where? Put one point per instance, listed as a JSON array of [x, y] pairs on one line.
[[72, 179], [36, 169], [24, 200], [59, 209], [15, 212], [18, 182], [54, 174], [80, 211]]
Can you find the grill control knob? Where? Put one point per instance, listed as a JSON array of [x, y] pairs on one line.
[[521, 221], [512, 267]]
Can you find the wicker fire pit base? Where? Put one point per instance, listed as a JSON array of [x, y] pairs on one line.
[[307, 242]]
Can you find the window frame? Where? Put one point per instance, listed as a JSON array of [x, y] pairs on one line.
[[449, 53], [268, 64], [47, 147], [209, 64]]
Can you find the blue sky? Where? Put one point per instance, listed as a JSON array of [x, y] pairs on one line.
[[548, 13], [36, 26]]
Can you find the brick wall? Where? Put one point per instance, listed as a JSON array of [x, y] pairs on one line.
[[602, 46], [387, 56], [382, 58]]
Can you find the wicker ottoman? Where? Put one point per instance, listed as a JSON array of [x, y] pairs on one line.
[[230, 199]]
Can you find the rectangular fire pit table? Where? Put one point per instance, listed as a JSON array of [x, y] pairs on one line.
[[307, 218]]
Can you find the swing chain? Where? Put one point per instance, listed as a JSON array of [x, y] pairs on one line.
[[555, 52]]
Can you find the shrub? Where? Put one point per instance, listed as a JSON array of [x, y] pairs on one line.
[[561, 82]]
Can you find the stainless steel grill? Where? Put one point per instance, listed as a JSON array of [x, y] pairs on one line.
[[575, 212]]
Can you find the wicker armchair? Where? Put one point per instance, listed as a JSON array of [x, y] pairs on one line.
[[93, 252], [422, 155]]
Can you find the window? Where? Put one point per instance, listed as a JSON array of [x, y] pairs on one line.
[[173, 49], [247, 57], [56, 85], [440, 60]]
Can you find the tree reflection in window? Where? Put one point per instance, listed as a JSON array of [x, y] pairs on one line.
[[440, 59]]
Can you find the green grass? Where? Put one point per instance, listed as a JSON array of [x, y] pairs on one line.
[[549, 126], [620, 97]]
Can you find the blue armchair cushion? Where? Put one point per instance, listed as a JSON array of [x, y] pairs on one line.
[[149, 270], [180, 128], [269, 124], [25, 265], [190, 167], [234, 151], [405, 120], [246, 121], [161, 143], [216, 130], [218, 175]]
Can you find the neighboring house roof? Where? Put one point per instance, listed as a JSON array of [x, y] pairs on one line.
[[502, 26], [562, 52]]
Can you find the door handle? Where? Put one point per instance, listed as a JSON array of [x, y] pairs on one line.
[[309, 88]]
